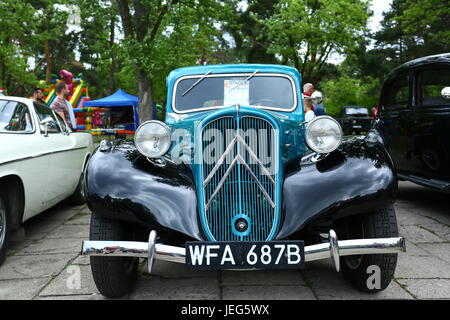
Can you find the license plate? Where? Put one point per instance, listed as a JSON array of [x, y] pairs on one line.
[[357, 127], [245, 255]]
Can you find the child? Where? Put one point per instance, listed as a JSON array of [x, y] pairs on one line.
[[309, 113]]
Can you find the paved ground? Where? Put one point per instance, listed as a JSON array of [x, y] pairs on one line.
[[45, 264]]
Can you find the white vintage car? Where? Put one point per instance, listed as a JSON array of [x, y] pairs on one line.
[[41, 162]]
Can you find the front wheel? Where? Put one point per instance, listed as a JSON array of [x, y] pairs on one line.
[[374, 272], [113, 276], [4, 226], [79, 196]]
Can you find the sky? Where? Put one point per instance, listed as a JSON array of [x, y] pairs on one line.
[[378, 7]]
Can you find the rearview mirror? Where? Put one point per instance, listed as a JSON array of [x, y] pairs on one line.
[[445, 93]]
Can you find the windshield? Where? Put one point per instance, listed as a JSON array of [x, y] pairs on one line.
[[357, 110], [264, 91]]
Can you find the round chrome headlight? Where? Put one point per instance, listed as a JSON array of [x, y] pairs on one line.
[[152, 139], [323, 134]]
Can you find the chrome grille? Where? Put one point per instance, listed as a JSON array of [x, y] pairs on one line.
[[237, 179]]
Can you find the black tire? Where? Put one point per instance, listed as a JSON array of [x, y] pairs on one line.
[[79, 196], [5, 222], [358, 269], [113, 276]]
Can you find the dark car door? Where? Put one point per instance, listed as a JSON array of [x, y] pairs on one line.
[[430, 118], [394, 121]]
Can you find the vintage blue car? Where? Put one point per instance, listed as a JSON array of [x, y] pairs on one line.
[[235, 179]]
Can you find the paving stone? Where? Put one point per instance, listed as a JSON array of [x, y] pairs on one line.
[[421, 267], [177, 270], [73, 280], [262, 277], [34, 266], [76, 297], [152, 288], [52, 246], [327, 284], [438, 229], [407, 218], [298, 292], [428, 288], [414, 250], [416, 235], [23, 289], [439, 250], [39, 229], [82, 260], [70, 232], [82, 219]]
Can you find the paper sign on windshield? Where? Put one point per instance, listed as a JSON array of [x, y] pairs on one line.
[[236, 91]]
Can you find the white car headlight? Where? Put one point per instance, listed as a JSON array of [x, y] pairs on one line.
[[152, 139], [323, 134]]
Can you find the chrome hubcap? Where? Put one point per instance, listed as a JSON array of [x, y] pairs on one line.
[[2, 223]]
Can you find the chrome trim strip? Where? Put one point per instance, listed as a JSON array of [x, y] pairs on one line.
[[221, 75], [42, 155], [178, 254]]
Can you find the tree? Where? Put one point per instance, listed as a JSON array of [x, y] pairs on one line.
[[306, 32], [16, 24]]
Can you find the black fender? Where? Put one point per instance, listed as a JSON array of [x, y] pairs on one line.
[[355, 179], [122, 184]]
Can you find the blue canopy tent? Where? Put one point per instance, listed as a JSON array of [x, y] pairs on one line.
[[119, 99]]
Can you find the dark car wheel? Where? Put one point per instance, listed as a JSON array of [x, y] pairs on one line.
[[113, 276], [370, 273], [4, 227], [78, 197]]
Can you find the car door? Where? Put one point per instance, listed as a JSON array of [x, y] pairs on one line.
[[63, 175], [394, 121], [22, 152], [431, 122]]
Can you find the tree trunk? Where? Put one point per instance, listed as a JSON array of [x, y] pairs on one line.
[[112, 70], [145, 107], [48, 60]]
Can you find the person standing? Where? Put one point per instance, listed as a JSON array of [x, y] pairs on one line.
[[308, 90], [38, 95], [309, 113], [317, 100], [59, 105]]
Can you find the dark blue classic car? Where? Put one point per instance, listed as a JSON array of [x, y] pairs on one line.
[[235, 179]]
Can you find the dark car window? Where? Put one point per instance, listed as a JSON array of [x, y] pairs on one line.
[[398, 92], [44, 112], [216, 92], [430, 84], [15, 117]]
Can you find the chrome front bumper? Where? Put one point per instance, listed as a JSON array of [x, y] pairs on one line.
[[152, 250]]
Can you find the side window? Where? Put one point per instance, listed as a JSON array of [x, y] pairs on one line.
[[430, 84], [399, 92], [15, 117], [45, 112]]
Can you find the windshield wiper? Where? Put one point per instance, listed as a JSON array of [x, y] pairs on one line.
[[248, 78], [198, 81], [252, 75]]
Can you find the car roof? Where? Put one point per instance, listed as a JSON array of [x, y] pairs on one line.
[[231, 68], [438, 58], [18, 99]]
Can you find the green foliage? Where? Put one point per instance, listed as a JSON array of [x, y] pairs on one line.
[[346, 91], [306, 32]]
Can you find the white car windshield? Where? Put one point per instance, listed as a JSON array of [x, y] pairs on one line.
[[218, 91]]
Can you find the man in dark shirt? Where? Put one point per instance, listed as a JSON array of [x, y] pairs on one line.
[[38, 95], [59, 105]]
